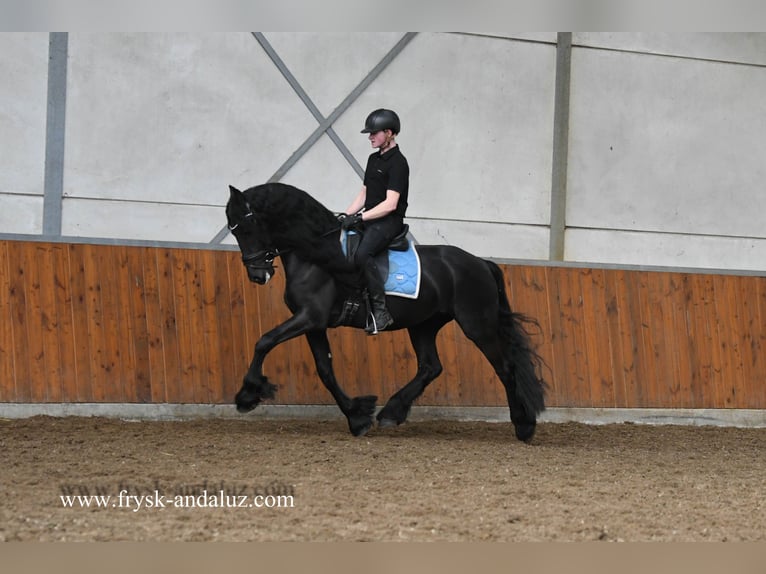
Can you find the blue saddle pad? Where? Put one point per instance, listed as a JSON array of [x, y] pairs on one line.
[[403, 275]]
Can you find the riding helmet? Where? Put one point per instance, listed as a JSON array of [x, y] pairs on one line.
[[381, 119]]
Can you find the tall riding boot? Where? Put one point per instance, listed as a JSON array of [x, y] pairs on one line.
[[381, 318]]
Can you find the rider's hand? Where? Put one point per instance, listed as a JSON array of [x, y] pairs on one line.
[[351, 221]]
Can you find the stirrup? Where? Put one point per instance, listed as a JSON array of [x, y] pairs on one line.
[[372, 325]]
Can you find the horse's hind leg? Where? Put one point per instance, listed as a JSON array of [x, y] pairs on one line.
[[485, 336], [358, 410], [423, 339]]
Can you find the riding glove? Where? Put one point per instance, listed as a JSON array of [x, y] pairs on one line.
[[351, 221]]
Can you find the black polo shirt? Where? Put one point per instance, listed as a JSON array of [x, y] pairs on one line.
[[387, 171]]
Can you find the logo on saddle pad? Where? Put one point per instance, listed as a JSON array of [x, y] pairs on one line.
[[400, 269]]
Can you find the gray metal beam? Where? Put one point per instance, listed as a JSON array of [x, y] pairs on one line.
[[53, 190], [560, 146]]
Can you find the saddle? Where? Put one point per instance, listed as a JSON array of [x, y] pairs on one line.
[[399, 265], [353, 238]]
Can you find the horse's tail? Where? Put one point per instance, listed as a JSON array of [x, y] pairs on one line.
[[527, 364]]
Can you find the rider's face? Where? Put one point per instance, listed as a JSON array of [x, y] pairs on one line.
[[380, 139]]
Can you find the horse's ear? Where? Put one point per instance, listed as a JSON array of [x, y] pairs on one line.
[[234, 192]]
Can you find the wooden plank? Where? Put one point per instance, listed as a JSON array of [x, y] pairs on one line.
[[665, 324], [80, 324], [561, 381], [7, 327], [570, 302], [758, 398], [596, 332], [131, 320], [169, 321], [649, 346], [241, 347], [138, 386], [36, 317], [188, 353], [230, 377], [66, 329], [211, 337], [20, 318], [528, 291], [54, 331], [155, 329], [115, 347], [98, 355], [625, 393]]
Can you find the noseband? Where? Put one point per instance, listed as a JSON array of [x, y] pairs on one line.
[[263, 259]]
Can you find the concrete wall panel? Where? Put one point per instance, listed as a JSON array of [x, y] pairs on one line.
[[479, 146], [666, 144], [665, 249], [729, 47], [23, 109], [140, 220], [484, 239], [176, 117], [21, 214]]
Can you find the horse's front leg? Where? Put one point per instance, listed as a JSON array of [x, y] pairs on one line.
[[358, 410], [256, 386]]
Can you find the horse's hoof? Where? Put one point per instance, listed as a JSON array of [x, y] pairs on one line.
[[361, 429], [385, 423], [246, 408], [525, 432]]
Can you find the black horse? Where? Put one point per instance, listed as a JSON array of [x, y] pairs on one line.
[[322, 291]]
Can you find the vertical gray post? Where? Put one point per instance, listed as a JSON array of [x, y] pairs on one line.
[[560, 146], [54, 133]]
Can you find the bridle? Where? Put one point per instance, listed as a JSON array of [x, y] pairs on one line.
[[258, 260], [264, 259]]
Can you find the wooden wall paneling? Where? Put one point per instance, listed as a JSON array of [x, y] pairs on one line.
[[116, 347], [57, 320], [66, 333], [559, 309], [18, 302], [80, 324], [596, 332], [155, 324], [715, 352], [230, 375], [527, 291], [758, 398], [700, 340], [173, 369], [138, 324], [625, 393], [211, 336], [126, 335], [241, 347], [649, 339], [138, 387], [7, 327], [198, 349], [664, 324], [188, 355], [132, 316], [749, 336], [732, 391], [36, 316], [613, 326]]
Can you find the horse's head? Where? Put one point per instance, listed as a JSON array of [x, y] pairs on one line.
[[257, 256]]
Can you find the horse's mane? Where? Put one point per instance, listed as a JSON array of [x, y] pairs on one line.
[[289, 218]]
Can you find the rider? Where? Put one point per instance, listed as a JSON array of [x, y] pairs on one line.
[[381, 205]]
